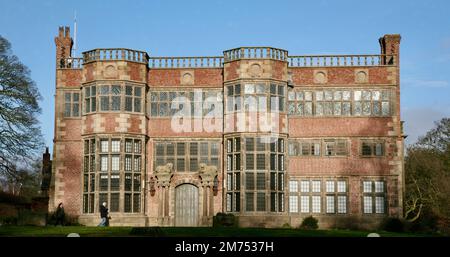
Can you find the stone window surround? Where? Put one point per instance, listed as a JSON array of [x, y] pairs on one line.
[[279, 207], [71, 103], [186, 156], [373, 194], [122, 192], [234, 174], [313, 90], [122, 83], [267, 93], [177, 90], [322, 149], [373, 141], [323, 194]]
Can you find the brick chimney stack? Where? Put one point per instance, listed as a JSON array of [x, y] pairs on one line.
[[63, 43], [46, 171], [390, 45]]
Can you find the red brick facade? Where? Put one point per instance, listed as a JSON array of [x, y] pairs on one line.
[[124, 84]]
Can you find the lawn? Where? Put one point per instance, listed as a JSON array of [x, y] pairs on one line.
[[50, 231]]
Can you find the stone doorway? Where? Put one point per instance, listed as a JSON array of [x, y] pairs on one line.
[[186, 205]]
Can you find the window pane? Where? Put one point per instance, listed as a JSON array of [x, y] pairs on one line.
[[304, 204], [127, 203], [249, 181], [115, 106], [293, 203], [367, 186], [385, 108], [103, 182], [128, 104], [346, 107], [260, 181], [366, 149], [342, 186], [316, 204], [249, 144], [378, 149], [115, 146], [103, 163], [181, 166], [104, 90], [76, 110], [330, 186], [114, 205], [366, 108], [115, 90], [379, 186], [368, 204], [229, 202], [260, 162], [304, 186], [214, 148], [249, 205], [128, 90], [163, 109], [115, 182], [293, 186], [261, 202], [127, 162], [136, 203], [87, 105], [308, 96], [137, 164], [137, 91], [379, 204], [193, 164], [104, 103], [67, 109], [316, 186], [357, 108], [115, 163], [137, 182], [249, 162], [137, 105], [342, 204], [330, 204]]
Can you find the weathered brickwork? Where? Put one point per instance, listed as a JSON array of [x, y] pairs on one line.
[[115, 139]]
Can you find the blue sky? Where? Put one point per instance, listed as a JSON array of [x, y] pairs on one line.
[[200, 28]]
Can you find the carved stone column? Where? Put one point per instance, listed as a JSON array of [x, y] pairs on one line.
[[163, 175], [207, 175]]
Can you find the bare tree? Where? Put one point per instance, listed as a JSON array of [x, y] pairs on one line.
[[20, 135], [427, 166]]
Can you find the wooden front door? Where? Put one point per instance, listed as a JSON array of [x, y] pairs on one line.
[[186, 205]]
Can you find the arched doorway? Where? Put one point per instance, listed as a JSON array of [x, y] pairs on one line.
[[186, 205]]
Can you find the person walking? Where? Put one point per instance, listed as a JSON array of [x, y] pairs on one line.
[[103, 215], [60, 215]]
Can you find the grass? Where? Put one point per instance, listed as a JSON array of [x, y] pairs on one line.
[[58, 231]]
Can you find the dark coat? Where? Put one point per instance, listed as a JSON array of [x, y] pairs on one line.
[[103, 212], [60, 213]]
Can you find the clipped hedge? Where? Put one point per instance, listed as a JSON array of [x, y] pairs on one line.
[[225, 220]]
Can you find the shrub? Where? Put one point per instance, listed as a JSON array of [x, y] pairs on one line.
[[426, 223], [286, 225], [309, 223], [68, 220], [147, 231], [225, 220], [8, 220], [392, 225]]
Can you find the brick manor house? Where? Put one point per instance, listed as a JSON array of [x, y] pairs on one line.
[[269, 137]]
